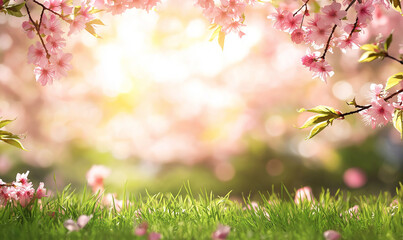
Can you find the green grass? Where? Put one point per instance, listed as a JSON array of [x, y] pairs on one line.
[[189, 216]]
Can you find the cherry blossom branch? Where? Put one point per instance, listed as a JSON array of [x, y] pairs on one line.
[[393, 58], [50, 10], [361, 108], [37, 29], [331, 34], [354, 27], [304, 5]]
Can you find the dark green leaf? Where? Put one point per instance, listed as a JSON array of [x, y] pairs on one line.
[[15, 10], [388, 42]]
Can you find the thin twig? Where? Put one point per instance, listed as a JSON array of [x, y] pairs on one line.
[[331, 34], [361, 108], [37, 28], [391, 57]]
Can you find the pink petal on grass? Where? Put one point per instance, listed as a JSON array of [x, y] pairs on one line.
[[154, 236], [331, 235], [221, 233], [304, 194], [71, 225], [141, 229], [83, 220]]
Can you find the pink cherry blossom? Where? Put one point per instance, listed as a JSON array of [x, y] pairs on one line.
[[53, 5], [354, 178], [205, 3], [280, 18], [348, 42], [237, 7], [399, 102], [55, 44], [333, 14], [309, 60], [37, 55], [364, 10], [292, 22], [85, 12], [22, 178], [51, 25], [322, 70], [379, 114], [77, 24], [304, 194], [66, 7], [61, 64], [298, 36], [221, 233], [96, 175], [319, 34], [41, 191], [221, 16], [44, 74], [29, 29], [376, 91]]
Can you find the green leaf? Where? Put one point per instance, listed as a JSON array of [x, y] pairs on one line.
[[394, 80], [221, 39], [317, 129], [15, 10], [5, 134], [370, 56], [4, 123], [352, 103], [398, 121], [388, 42], [370, 47], [13, 142], [320, 109], [316, 119]]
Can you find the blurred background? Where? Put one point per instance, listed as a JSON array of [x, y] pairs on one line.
[[159, 104]]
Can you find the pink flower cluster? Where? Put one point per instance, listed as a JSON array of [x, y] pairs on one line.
[[325, 30], [47, 54], [120, 6], [228, 14], [381, 111], [20, 191]]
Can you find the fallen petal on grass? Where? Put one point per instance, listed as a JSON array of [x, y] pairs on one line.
[[331, 235], [221, 233], [71, 225]]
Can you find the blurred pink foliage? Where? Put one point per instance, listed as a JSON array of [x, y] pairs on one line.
[[354, 178], [181, 99]]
